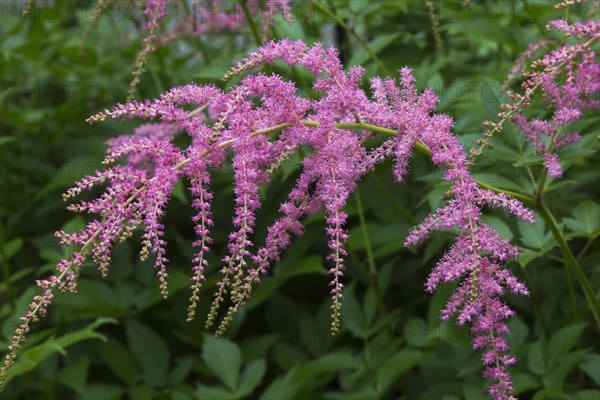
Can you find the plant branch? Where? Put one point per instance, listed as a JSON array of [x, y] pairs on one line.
[[570, 259], [250, 21]]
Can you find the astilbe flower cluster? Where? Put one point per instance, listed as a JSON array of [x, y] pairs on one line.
[[256, 126], [568, 79]]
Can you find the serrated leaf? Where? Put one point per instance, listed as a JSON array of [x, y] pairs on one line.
[[556, 378], [224, 359], [587, 218], [33, 356], [562, 342], [150, 351], [533, 236]]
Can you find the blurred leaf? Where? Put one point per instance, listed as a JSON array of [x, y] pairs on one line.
[[397, 365], [556, 378], [251, 377], [75, 375], [536, 359], [103, 391], [204, 392], [352, 315], [119, 360], [183, 367], [150, 351], [224, 359], [307, 265], [524, 382], [591, 366], [284, 387], [376, 45], [587, 219], [11, 247], [562, 342], [31, 357]]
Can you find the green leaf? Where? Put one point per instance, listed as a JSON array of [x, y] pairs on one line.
[[332, 362], [523, 382], [535, 359], [518, 333], [591, 394], [376, 45], [150, 351], [397, 365], [75, 374], [12, 247], [103, 391], [535, 236], [183, 367], [33, 356], [312, 264], [6, 139], [204, 392], [556, 378], [283, 387], [591, 366], [352, 315], [251, 377], [415, 331], [224, 360], [116, 356], [499, 225], [562, 342], [587, 218]]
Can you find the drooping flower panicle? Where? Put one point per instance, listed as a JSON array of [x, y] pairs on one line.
[[568, 79], [256, 126]]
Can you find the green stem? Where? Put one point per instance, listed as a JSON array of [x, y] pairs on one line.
[[250, 21], [352, 32], [363, 228], [393, 200], [570, 259], [157, 84], [586, 247], [571, 290], [539, 197]]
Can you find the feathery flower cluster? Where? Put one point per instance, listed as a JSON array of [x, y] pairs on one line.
[[570, 95], [568, 79], [333, 128]]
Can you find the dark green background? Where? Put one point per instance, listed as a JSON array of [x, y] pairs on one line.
[[392, 345]]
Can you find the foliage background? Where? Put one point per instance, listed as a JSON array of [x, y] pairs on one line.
[[118, 340]]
